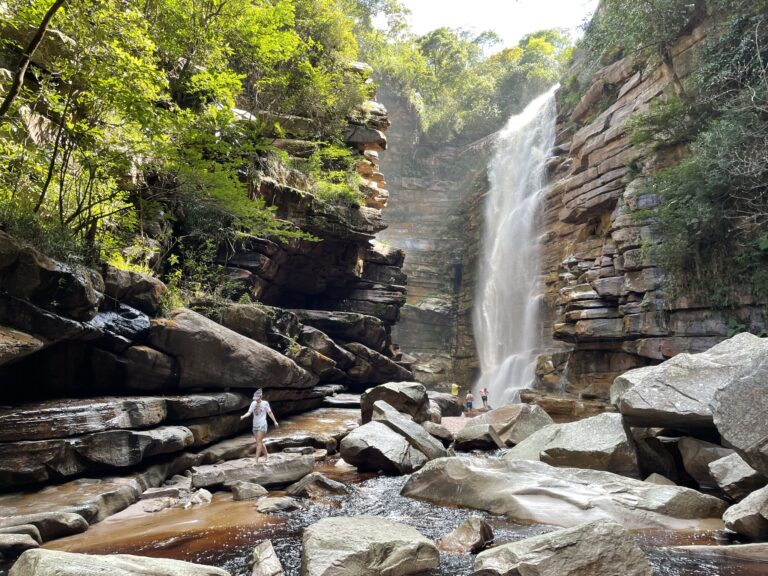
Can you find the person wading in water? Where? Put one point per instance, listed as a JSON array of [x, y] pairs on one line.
[[259, 409]]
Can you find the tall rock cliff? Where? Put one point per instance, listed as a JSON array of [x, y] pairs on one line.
[[605, 290]]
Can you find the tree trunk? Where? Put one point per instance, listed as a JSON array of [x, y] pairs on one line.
[[18, 80]]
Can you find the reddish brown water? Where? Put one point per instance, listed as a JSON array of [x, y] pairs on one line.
[[224, 532]]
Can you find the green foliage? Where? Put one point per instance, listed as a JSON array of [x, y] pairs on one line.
[[458, 92], [625, 27], [714, 214], [131, 121]]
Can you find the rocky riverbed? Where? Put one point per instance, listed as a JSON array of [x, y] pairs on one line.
[[392, 487]]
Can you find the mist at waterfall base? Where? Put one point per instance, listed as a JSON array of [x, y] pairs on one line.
[[507, 308]]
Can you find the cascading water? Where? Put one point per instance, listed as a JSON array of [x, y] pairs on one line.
[[506, 314]]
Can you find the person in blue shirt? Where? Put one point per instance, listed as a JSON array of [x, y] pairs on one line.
[[259, 409]]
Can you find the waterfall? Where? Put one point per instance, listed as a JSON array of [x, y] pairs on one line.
[[507, 306]]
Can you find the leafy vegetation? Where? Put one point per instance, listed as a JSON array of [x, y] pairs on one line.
[[459, 93], [126, 122], [714, 210]]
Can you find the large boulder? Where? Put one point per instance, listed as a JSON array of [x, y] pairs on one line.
[[210, 355], [447, 403], [597, 549], [365, 546], [415, 434], [54, 563], [375, 446], [740, 409], [264, 561], [279, 469], [697, 455], [14, 345], [735, 477], [406, 397], [123, 448], [598, 443], [477, 436], [750, 516], [534, 492], [679, 392], [372, 367], [513, 423], [347, 327], [27, 274], [141, 291]]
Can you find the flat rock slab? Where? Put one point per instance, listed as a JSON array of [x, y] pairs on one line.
[[51, 525], [203, 405], [598, 549], [65, 418], [535, 492], [53, 563], [321, 428], [280, 469], [93, 499], [365, 546], [342, 401]]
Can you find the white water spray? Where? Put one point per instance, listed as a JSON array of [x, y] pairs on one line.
[[506, 314]]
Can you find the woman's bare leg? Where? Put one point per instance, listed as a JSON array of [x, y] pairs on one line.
[[260, 448]]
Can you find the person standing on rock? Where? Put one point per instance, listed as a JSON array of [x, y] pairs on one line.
[[484, 398], [259, 409], [455, 394], [470, 399]]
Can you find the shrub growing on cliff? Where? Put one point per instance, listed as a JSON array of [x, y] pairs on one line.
[[714, 215]]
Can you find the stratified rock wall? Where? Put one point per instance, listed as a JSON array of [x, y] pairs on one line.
[[433, 216], [94, 381], [605, 291]]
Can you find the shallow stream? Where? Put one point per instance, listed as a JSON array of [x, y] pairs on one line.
[[224, 533]]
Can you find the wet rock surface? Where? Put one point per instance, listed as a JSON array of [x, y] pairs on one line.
[[279, 469]]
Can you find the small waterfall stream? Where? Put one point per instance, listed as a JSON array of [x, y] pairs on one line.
[[506, 314]]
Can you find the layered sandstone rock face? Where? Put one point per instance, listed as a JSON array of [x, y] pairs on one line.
[[605, 292], [96, 382]]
